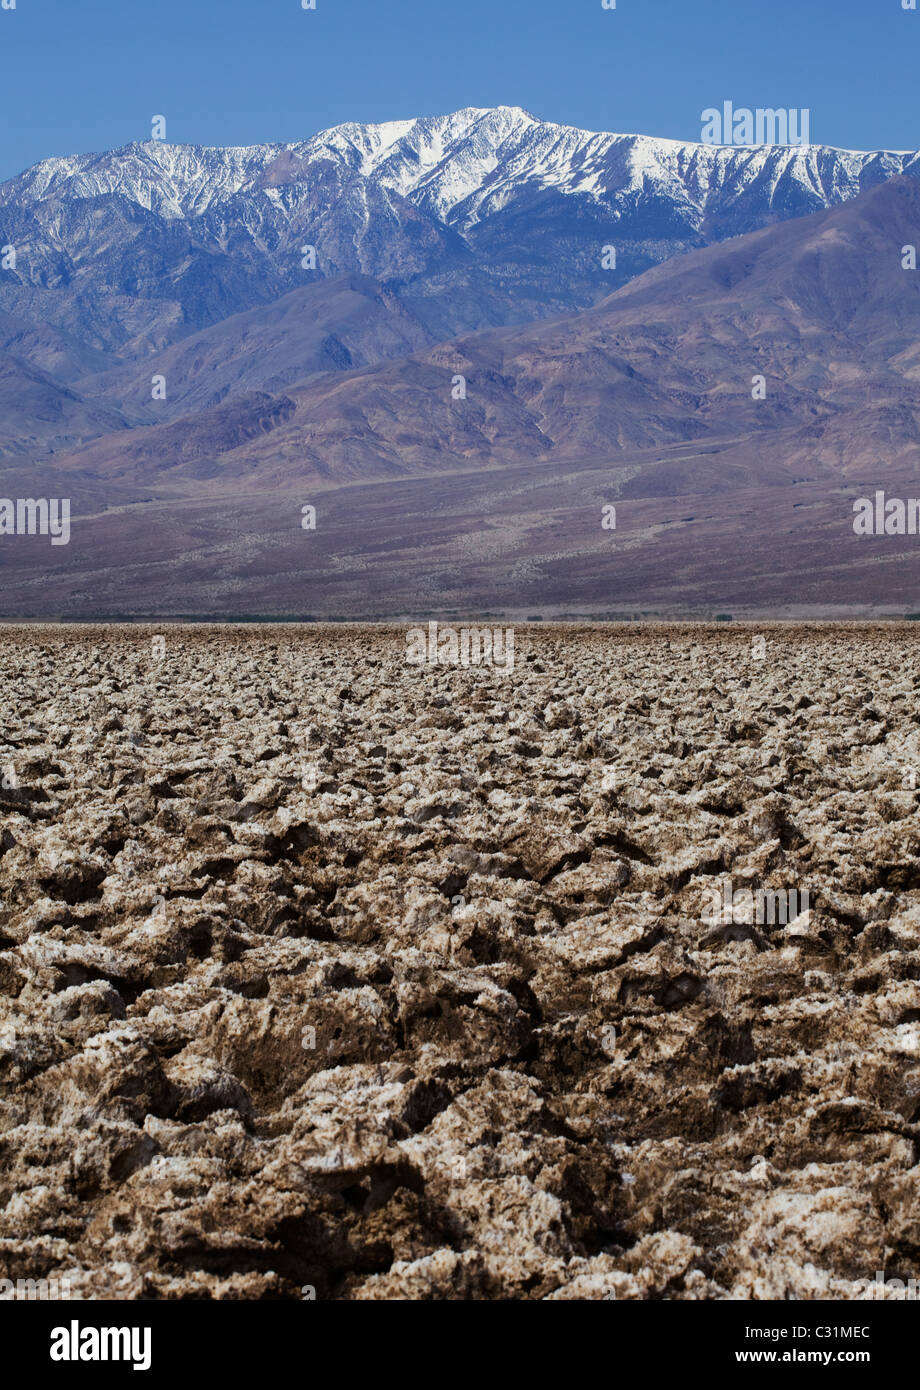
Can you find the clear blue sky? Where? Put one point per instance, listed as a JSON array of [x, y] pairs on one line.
[[79, 75]]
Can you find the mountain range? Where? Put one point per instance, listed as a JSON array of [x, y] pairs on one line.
[[411, 326]]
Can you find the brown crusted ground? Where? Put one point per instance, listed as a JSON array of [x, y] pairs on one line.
[[535, 1071]]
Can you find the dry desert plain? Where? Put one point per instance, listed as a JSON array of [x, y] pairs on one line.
[[321, 971]]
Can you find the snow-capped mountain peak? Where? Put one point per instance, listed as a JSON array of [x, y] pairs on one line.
[[481, 216], [459, 167]]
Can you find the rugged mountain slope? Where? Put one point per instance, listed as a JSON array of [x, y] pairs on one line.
[[334, 325], [38, 415], [50, 350], [476, 218], [821, 308], [430, 503]]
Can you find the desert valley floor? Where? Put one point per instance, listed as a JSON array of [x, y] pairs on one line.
[[323, 971]]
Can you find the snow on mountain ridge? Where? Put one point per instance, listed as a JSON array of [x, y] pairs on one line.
[[459, 167]]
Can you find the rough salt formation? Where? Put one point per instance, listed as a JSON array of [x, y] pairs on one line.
[[318, 969]]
